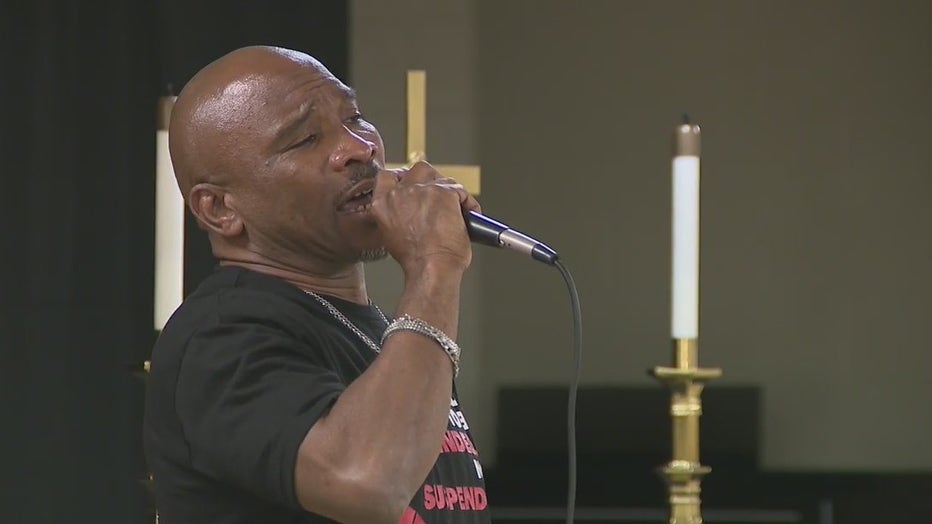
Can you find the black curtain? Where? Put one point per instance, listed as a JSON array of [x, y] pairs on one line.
[[78, 86]]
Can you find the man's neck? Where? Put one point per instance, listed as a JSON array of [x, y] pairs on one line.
[[347, 284]]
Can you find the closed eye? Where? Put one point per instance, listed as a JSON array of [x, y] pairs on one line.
[[310, 139]]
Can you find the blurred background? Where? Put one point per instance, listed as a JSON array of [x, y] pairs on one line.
[[815, 249]]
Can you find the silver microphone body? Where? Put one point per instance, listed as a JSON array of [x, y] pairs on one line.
[[485, 230]]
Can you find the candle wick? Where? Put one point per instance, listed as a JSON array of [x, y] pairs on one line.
[[685, 118]]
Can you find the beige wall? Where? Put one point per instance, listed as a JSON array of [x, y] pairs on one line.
[[816, 213]]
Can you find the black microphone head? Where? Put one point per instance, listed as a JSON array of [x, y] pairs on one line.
[[483, 229]]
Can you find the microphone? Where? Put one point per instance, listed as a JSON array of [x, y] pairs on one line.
[[491, 232]]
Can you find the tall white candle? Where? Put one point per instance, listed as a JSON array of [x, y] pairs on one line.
[[169, 225], [685, 281]]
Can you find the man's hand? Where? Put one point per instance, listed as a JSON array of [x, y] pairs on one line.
[[420, 214]]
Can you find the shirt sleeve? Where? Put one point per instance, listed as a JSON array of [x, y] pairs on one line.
[[247, 394]]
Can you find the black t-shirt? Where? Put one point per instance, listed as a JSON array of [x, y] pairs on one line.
[[239, 375]]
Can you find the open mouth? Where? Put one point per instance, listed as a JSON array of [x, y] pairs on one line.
[[359, 200]]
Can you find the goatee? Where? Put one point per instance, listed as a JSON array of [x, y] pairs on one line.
[[373, 255]]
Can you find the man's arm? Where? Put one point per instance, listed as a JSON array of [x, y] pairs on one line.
[[364, 460]]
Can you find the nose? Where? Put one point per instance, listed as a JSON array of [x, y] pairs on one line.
[[353, 147]]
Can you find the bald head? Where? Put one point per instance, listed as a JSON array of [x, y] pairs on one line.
[[267, 146], [219, 109]]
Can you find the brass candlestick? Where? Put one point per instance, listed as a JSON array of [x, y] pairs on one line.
[[683, 473], [142, 371]]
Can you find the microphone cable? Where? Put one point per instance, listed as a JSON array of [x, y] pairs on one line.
[[574, 387], [486, 230]]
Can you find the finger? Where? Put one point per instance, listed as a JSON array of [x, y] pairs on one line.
[[446, 181], [420, 172], [467, 201], [385, 181], [470, 203], [396, 172]]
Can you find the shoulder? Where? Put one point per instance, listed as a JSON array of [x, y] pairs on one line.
[[235, 295], [235, 304]]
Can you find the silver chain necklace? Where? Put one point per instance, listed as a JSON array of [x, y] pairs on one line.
[[346, 322]]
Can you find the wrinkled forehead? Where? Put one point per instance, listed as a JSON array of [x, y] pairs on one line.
[[260, 100], [305, 82], [290, 84]]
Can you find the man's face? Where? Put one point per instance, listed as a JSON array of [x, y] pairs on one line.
[[311, 153]]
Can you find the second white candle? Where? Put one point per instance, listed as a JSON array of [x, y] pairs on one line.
[[685, 281]]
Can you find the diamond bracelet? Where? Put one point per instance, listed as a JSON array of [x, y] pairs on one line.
[[408, 323]]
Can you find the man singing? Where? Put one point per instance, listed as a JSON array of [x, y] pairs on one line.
[[278, 392]]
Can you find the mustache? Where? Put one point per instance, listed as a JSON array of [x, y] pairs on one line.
[[357, 174], [360, 172]]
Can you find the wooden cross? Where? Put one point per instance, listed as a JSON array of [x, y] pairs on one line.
[[469, 176]]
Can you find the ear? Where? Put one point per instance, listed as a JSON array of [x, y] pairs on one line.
[[211, 205]]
